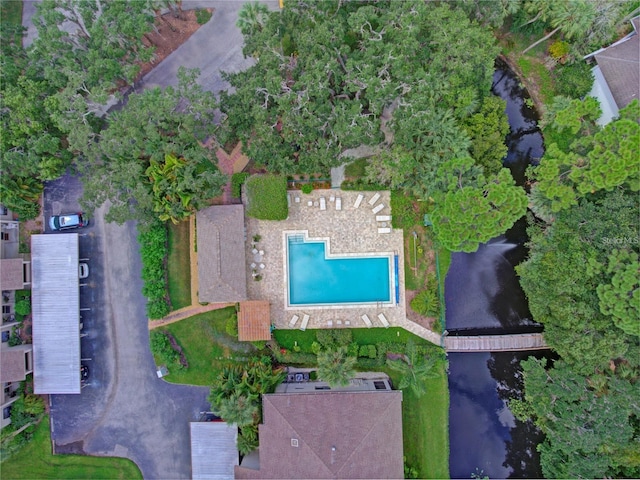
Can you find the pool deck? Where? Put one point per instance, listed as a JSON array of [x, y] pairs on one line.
[[351, 230]]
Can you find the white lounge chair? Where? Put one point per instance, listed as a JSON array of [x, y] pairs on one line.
[[383, 218], [378, 207], [383, 320], [358, 200], [384, 230], [323, 203], [374, 199], [293, 321], [305, 321], [329, 323], [366, 320], [338, 203]]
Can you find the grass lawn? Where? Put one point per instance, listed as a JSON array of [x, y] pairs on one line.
[[179, 265], [35, 460], [207, 346], [425, 423], [11, 11]]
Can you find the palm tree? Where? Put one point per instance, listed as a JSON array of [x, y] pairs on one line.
[[238, 408], [415, 369], [335, 367], [252, 16]]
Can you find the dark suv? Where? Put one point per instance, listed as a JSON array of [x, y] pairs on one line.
[[67, 221]]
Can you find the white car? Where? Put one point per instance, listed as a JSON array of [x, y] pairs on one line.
[[83, 270]]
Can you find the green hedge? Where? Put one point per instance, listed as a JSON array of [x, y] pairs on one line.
[[362, 185], [237, 179], [153, 249], [267, 197]]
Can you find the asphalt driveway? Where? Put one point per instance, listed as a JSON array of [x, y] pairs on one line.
[[125, 410]]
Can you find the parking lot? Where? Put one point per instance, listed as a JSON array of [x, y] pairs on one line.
[[123, 409]]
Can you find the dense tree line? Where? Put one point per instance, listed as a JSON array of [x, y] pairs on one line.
[[582, 282], [54, 96]]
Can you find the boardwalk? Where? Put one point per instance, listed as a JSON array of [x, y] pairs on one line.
[[495, 343]]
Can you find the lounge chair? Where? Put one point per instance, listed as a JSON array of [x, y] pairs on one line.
[[366, 320], [383, 320], [329, 323], [384, 230], [374, 199], [305, 321], [383, 218], [338, 203], [378, 207], [323, 203], [293, 321], [358, 200]]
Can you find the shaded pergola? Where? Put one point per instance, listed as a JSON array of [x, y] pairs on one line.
[[254, 321]]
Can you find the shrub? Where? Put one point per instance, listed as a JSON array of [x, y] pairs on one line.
[[330, 338], [203, 16], [405, 213], [559, 50], [23, 307], [574, 80], [237, 180], [362, 185], [426, 303], [267, 197], [153, 250], [161, 348], [368, 351], [353, 349], [231, 326], [14, 339], [307, 188]]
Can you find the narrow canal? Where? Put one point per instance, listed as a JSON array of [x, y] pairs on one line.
[[483, 296]]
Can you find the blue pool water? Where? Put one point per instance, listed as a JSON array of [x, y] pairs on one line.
[[317, 280]]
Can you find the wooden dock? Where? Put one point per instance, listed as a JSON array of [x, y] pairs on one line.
[[495, 343]]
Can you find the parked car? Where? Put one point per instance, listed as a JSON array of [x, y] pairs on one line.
[[83, 270], [68, 221]]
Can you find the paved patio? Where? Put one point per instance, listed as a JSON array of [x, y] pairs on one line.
[[350, 230]]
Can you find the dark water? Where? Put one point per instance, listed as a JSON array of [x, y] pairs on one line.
[[483, 296]]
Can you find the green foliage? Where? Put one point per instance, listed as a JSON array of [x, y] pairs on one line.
[[248, 439], [357, 168], [589, 422], [573, 80], [470, 215], [307, 188], [324, 76], [237, 180], [333, 337], [426, 303], [406, 210], [203, 16], [267, 197], [161, 348], [23, 307], [595, 161], [559, 49], [415, 368], [153, 250], [487, 130], [620, 297], [231, 326], [368, 351], [336, 367]]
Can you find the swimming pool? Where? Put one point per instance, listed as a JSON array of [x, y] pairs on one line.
[[316, 278]]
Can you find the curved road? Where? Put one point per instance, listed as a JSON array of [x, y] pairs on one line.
[[125, 410]]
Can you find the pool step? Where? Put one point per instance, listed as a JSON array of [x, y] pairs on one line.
[[296, 238]]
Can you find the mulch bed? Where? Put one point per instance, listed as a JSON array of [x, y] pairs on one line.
[[177, 348]]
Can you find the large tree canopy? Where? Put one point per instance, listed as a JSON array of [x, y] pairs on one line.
[[326, 72]]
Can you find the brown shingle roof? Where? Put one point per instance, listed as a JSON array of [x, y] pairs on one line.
[[254, 321], [620, 66], [222, 275], [13, 364], [11, 274], [338, 435]]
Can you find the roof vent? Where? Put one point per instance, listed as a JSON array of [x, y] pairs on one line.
[[294, 442]]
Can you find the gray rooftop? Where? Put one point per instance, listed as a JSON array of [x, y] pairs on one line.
[[55, 300], [221, 254], [214, 453], [620, 66]]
